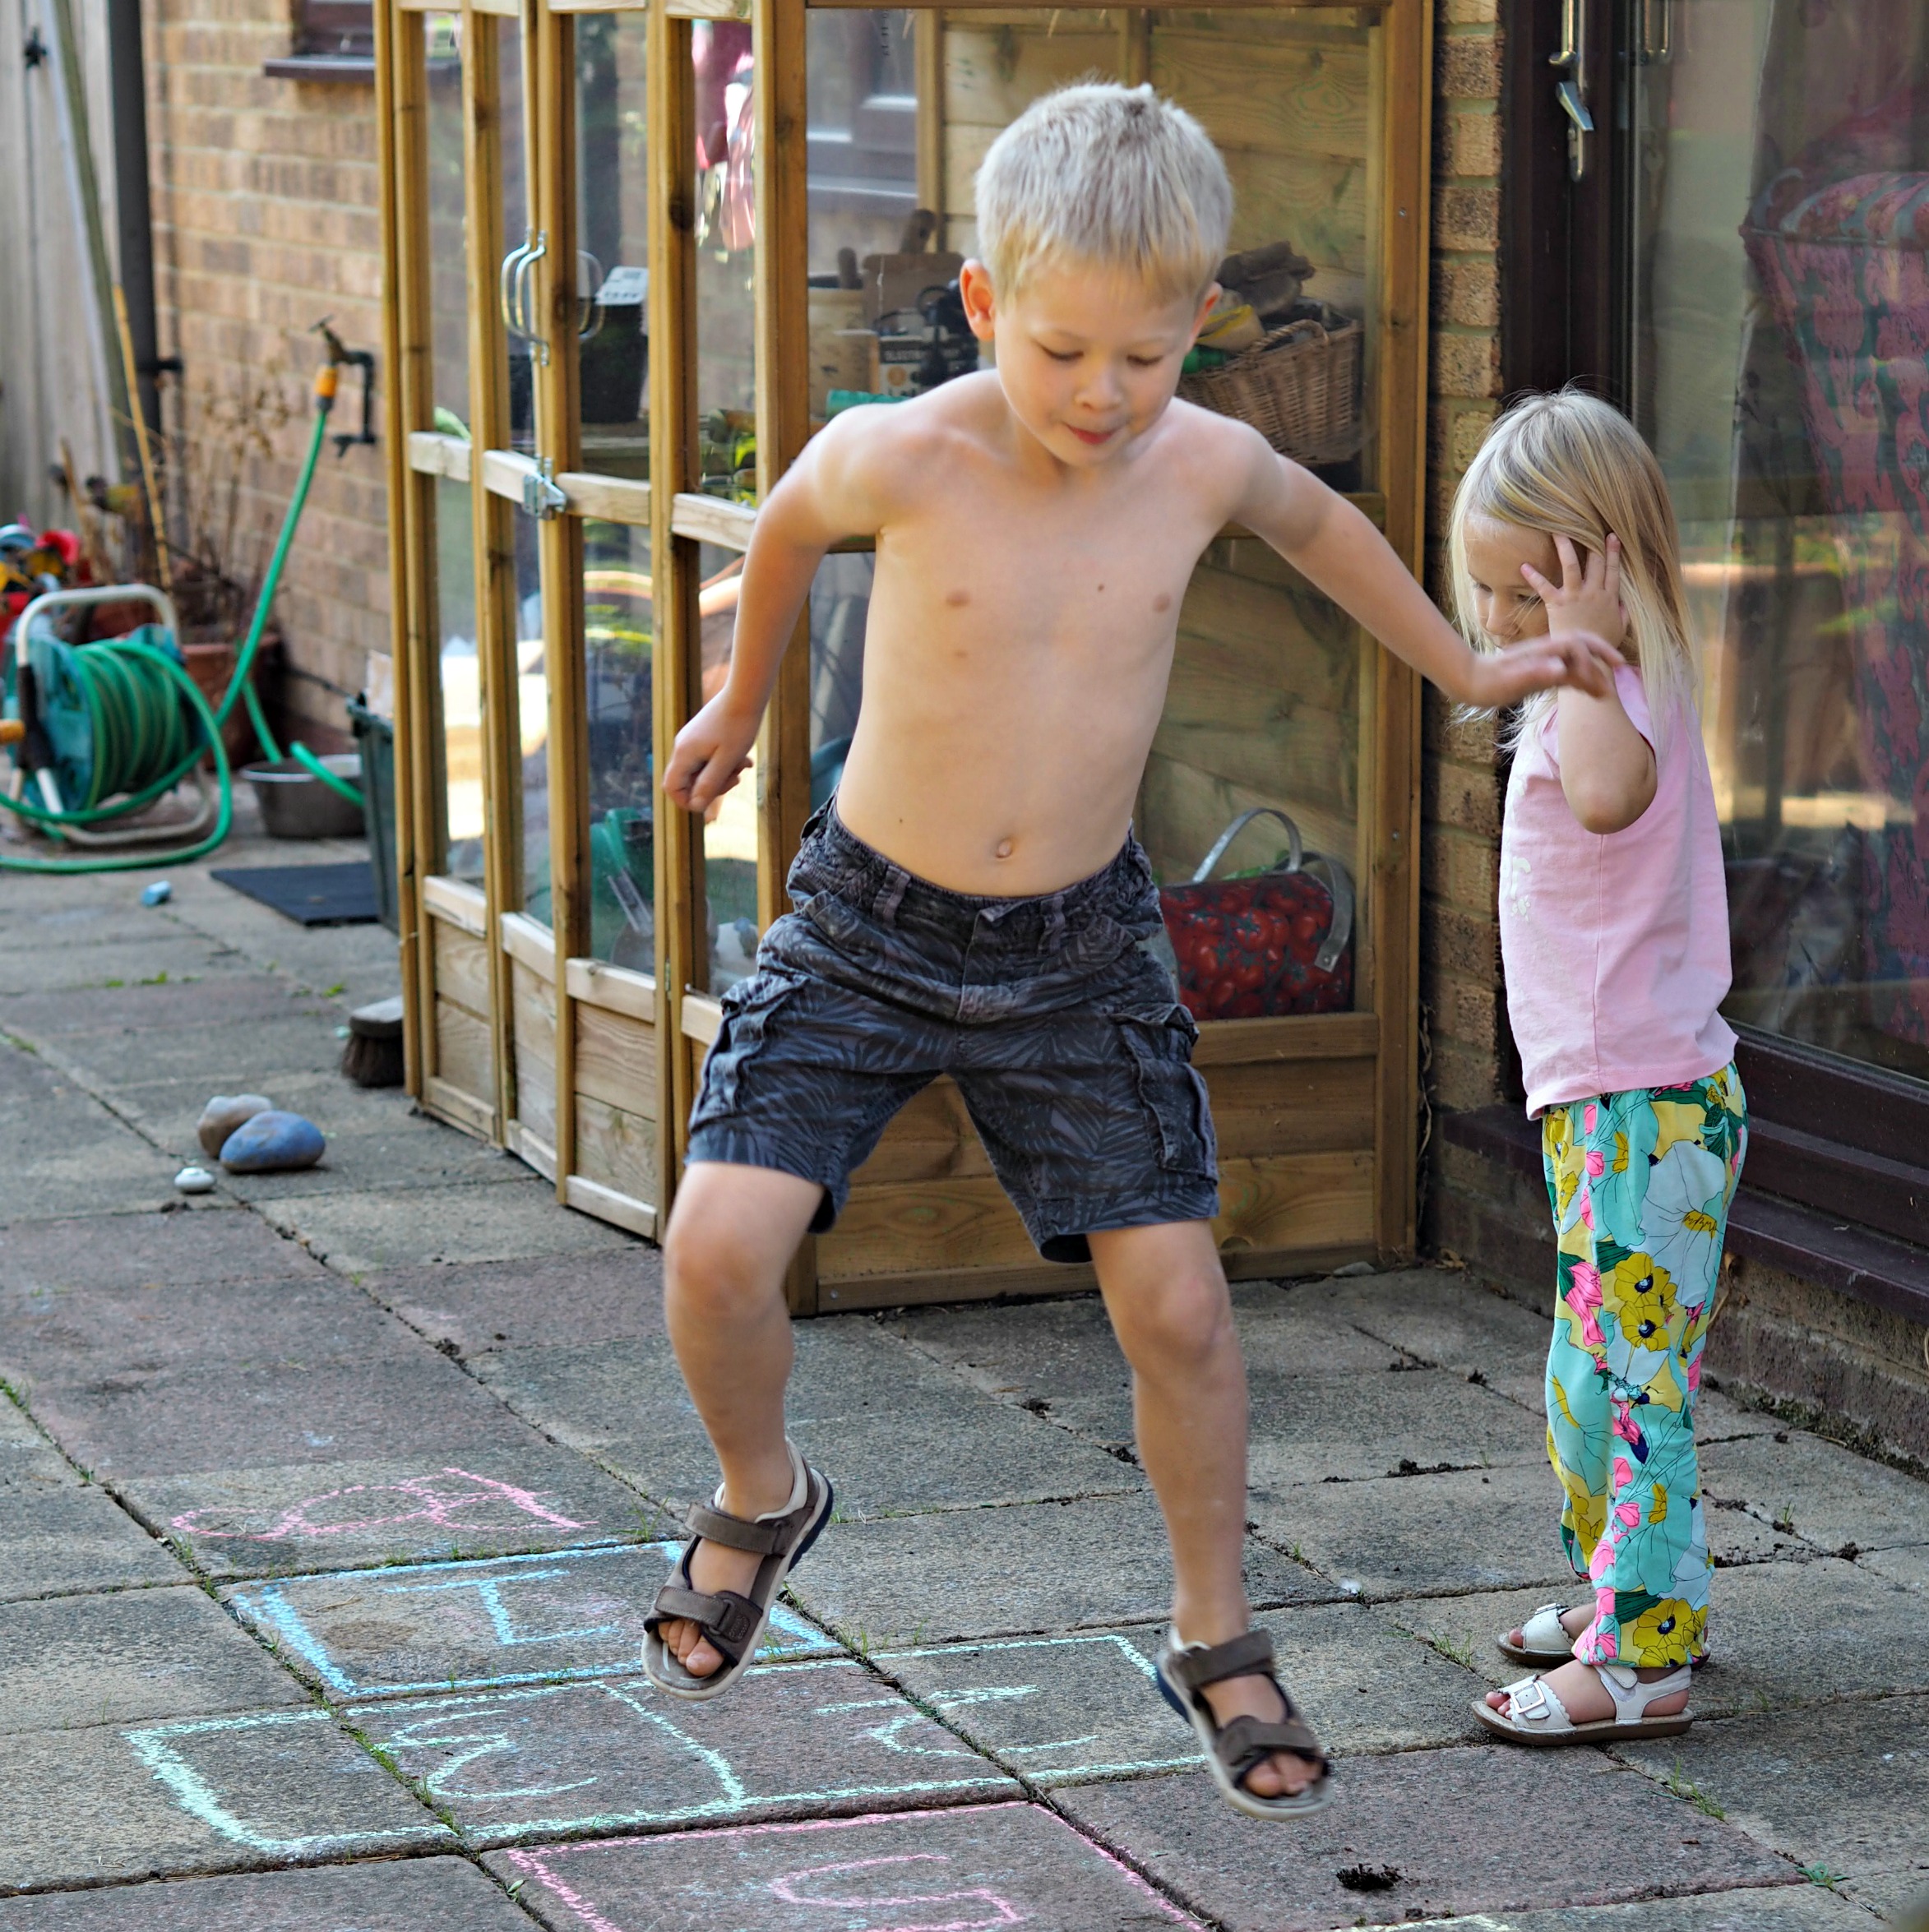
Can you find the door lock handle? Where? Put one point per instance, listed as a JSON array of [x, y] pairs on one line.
[[1571, 93], [1575, 108]]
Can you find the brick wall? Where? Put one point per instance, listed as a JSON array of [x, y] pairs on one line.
[[265, 214], [1461, 797]]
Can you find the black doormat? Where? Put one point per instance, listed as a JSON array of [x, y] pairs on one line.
[[311, 895]]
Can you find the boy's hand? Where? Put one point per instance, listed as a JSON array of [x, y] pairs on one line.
[[1588, 599], [712, 750], [1502, 678]]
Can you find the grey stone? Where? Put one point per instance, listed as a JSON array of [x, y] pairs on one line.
[[194, 1247], [1843, 1785], [411, 1628], [1323, 1428], [1036, 1567], [253, 1522], [1070, 1709], [358, 1232], [223, 1114], [986, 1865], [1467, 1830], [484, 1307], [198, 1795], [129, 1657], [1831, 1496], [176, 1423], [56, 1536], [555, 1760], [1779, 1634], [396, 1895], [1777, 1908]]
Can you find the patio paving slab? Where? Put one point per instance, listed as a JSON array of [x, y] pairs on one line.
[[68, 919], [823, 1738], [1907, 1564], [396, 1895], [979, 1864], [1393, 1538], [415, 1628], [59, 1536], [142, 1010], [1070, 1709], [280, 1522], [241, 1055], [357, 1232], [1831, 1496], [128, 1657], [198, 1795], [61, 964], [1032, 1569], [1781, 1634], [1844, 1784], [198, 1246], [484, 1307], [1466, 1831], [1781, 1908]]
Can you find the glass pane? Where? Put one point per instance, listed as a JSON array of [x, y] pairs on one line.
[[462, 751], [448, 224], [841, 603], [522, 433], [726, 236], [622, 816], [532, 700], [1780, 306], [613, 229], [1263, 711], [729, 830]]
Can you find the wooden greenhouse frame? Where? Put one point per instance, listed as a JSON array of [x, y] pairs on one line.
[[517, 1031]]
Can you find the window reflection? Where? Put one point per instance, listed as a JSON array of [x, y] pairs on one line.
[[532, 699], [462, 749], [613, 229], [726, 239], [617, 633], [448, 224]]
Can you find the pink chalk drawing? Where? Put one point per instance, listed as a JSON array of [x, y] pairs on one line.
[[466, 1504], [1003, 1911], [592, 1917]]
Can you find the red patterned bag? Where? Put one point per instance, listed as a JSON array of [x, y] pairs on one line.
[[1264, 943]]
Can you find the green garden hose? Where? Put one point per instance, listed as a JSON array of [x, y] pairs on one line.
[[143, 746]]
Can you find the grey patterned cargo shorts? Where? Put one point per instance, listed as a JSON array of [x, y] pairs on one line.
[[1067, 1041]]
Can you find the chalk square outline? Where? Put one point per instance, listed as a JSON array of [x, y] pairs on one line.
[[260, 1603], [534, 1861], [735, 1800], [1051, 1779]]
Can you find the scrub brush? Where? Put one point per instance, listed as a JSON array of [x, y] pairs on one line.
[[373, 1054]]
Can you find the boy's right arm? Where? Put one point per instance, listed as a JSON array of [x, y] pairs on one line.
[[825, 495]]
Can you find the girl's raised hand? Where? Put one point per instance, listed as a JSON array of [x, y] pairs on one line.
[[1588, 599]]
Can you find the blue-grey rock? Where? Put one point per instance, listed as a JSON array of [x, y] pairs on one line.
[[272, 1143]]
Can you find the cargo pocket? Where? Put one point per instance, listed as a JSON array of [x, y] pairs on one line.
[[742, 1034], [1170, 1090]]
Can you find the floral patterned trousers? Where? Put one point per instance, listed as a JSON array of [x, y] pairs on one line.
[[1640, 1183]]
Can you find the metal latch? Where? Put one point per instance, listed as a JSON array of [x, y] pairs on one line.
[[1572, 93], [542, 497]]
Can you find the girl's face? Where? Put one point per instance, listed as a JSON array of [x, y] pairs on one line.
[[1504, 606]]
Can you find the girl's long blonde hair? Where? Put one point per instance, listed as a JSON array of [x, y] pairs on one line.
[[1569, 464]]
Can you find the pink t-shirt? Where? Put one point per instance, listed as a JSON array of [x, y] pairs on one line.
[[1616, 945]]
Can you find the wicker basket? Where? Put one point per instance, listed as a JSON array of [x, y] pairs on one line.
[[1298, 386]]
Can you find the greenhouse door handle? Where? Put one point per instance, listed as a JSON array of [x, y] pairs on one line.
[[518, 316], [1572, 93]]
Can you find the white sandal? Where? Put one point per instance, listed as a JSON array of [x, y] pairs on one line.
[[1547, 1642], [1534, 1715]]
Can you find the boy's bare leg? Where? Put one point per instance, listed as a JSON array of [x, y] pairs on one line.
[[729, 1242], [1166, 1293]]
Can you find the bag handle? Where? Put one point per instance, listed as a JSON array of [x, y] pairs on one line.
[[1338, 881]]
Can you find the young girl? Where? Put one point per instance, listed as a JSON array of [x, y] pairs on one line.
[[1614, 935]]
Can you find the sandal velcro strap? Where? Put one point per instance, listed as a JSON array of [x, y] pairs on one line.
[[1250, 1655], [737, 1532], [726, 1619], [1248, 1742]]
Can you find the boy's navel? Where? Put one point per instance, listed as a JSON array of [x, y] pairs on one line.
[[1003, 849]]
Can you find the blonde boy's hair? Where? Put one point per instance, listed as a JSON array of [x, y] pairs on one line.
[[1106, 176], [1569, 464]]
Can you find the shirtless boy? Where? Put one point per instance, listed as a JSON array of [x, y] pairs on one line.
[[973, 901]]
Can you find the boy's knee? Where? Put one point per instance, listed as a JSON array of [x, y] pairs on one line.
[[711, 1261], [1179, 1324]]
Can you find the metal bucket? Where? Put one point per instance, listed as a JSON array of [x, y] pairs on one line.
[[296, 805]]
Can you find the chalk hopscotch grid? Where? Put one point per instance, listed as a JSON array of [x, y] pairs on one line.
[[536, 1865], [191, 1792], [732, 1797], [1043, 1778], [265, 1607]]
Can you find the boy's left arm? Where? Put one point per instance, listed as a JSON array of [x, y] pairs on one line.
[[1327, 540]]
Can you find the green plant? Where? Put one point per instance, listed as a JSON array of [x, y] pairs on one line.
[[1820, 1875], [1682, 1787]]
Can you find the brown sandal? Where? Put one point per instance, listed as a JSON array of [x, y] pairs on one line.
[[1235, 1750], [733, 1625]]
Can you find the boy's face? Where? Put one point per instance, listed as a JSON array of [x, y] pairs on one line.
[[1089, 358], [1505, 605]]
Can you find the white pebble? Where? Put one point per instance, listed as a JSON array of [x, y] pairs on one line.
[[195, 1180]]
